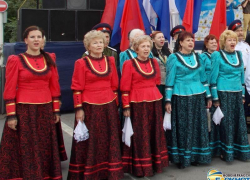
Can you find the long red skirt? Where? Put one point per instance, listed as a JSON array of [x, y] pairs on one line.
[[32, 152], [99, 157], [148, 151]]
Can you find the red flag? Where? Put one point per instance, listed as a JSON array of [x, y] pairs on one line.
[[219, 22], [131, 19], [108, 15], [188, 16]]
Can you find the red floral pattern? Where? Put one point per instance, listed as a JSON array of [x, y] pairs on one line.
[[32, 151], [99, 157], [148, 151]]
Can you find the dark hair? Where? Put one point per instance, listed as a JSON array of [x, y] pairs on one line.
[[248, 39], [47, 57], [182, 36], [207, 38]]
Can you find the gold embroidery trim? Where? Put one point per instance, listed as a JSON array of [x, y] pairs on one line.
[[33, 103], [79, 105], [11, 113], [37, 70], [146, 100], [100, 103], [10, 104], [77, 93], [126, 106], [56, 109], [124, 94], [92, 66], [137, 64], [55, 101]]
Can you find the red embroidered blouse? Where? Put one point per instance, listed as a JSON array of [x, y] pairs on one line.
[[29, 80], [139, 80], [94, 81]]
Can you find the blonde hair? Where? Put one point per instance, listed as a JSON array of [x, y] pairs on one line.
[[140, 39], [227, 34], [89, 36]]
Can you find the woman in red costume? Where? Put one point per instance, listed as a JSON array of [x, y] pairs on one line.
[[142, 101], [32, 143], [94, 85]]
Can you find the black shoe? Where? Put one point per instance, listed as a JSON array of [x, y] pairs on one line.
[[195, 163]]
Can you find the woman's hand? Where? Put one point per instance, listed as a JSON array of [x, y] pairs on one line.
[[209, 104], [126, 112], [12, 123], [243, 101], [168, 108], [216, 104], [80, 115], [57, 118]]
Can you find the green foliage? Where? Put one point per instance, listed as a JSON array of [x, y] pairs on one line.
[[10, 28]]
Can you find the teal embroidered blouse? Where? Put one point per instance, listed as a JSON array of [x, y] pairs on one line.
[[186, 76], [227, 73], [206, 56]]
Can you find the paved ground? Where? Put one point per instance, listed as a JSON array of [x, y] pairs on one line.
[[170, 173]]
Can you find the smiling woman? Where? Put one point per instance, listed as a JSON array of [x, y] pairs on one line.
[[94, 85], [32, 142], [142, 101], [228, 92]]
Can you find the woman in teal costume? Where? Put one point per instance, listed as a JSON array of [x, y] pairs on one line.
[[210, 45], [229, 139], [186, 92]]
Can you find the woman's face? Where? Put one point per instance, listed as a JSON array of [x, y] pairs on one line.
[[230, 44], [96, 46], [159, 40], [143, 50], [34, 40], [212, 45], [187, 44]]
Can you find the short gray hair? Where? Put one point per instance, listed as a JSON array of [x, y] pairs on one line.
[[141, 39], [134, 32]]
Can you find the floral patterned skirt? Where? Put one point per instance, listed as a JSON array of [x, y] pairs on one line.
[[230, 139], [148, 151], [35, 149], [99, 157], [188, 138]]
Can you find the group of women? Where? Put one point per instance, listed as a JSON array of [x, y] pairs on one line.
[[179, 83]]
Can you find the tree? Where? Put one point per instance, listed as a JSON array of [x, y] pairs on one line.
[[10, 28]]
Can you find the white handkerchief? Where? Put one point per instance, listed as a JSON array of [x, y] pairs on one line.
[[81, 132], [209, 120], [167, 121], [127, 131], [218, 115]]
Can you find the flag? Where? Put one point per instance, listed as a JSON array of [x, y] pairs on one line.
[[116, 33], [131, 19], [196, 15], [150, 12], [108, 15], [161, 7], [187, 21], [145, 19], [190, 13], [219, 22], [181, 6]]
